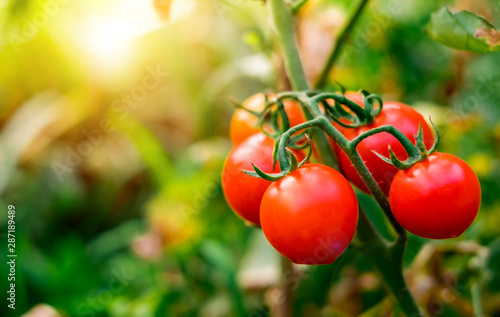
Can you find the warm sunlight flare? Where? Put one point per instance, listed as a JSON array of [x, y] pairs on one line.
[[107, 36], [108, 41]]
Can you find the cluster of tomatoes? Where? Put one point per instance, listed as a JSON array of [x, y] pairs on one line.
[[311, 214]]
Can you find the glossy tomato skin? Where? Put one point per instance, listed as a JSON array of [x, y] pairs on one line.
[[437, 198], [354, 96], [243, 192], [310, 215], [244, 124], [402, 117]]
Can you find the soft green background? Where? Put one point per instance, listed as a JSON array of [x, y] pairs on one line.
[[139, 226]]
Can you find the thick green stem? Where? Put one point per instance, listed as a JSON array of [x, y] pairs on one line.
[[363, 172], [323, 78], [283, 24], [477, 303], [387, 259]]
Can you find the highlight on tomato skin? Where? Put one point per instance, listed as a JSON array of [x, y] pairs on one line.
[[243, 192], [244, 124], [354, 96], [438, 198], [310, 215], [402, 117]]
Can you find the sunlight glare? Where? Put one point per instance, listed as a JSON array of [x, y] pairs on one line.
[[106, 40], [107, 37]]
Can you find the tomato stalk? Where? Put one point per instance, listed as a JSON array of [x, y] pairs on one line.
[[387, 256], [349, 147], [282, 20]]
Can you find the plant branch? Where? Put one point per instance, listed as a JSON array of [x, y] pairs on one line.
[[388, 262], [364, 173], [387, 257], [344, 34], [283, 24]]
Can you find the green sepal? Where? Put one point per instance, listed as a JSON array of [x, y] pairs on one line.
[[419, 142], [309, 152], [383, 158], [344, 113], [368, 106], [294, 163], [240, 106], [274, 120], [283, 159], [294, 140], [342, 88], [400, 165], [270, 177], [354, 107], [437, 138], [376, 110], [285, 123], [275, 154], [339, 112]]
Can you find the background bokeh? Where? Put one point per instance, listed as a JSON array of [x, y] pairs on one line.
[[114, 120]]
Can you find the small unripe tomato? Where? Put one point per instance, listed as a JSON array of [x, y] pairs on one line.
[[244, 124], [437, 198], [310, 215], [243, 192]]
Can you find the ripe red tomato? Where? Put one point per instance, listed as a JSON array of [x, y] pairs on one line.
[[402, 117], [310, 215], [437, 198], [244, 192], [244, 124]]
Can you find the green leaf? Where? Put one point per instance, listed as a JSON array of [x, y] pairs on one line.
[[463, 30]]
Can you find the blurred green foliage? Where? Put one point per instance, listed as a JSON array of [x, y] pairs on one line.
[[132, 222]]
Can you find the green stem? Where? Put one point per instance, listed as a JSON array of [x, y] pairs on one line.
[[283, 24], [285, 137], [403, 139], [477, 303], [363, 172], [323, 78], [387, 259]]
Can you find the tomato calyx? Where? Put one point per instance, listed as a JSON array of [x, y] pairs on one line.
[[288, 164], [274, 120], [416, 153], [348, 113]]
